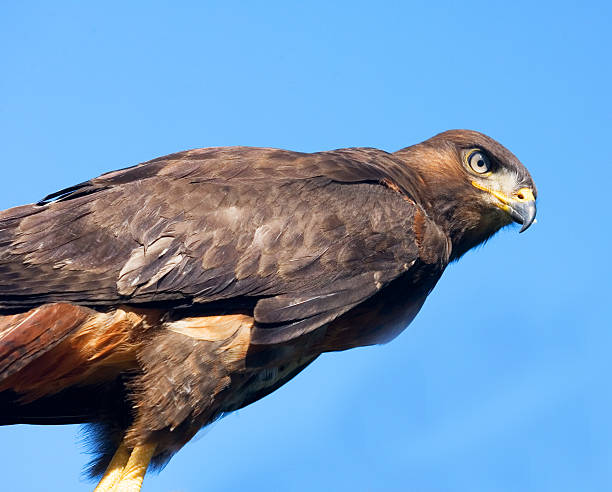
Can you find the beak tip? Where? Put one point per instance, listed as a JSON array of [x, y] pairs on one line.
[[527, 225], [524, 213]]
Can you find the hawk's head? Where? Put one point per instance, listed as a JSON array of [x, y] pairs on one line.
[[473, 186]]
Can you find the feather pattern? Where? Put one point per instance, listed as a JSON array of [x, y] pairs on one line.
[[151, 300], [215, 224]]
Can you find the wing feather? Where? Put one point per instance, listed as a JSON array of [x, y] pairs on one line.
[[307, 236]]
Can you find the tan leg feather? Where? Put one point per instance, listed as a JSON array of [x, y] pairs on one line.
[[114, 470], [135, 469]]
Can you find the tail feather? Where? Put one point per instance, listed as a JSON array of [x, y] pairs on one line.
[[26, 336]]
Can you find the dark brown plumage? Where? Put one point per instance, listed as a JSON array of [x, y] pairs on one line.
[[153, 299]]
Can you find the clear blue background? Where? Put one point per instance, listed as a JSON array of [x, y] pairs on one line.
[[502, 381]]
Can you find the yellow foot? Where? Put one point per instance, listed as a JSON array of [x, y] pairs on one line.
[[134, 472], [126, 470], [114, 470]]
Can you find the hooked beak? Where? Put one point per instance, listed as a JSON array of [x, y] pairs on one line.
[[520, 206], [523, 212]]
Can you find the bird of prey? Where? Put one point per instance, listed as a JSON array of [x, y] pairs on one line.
[[152, 300]]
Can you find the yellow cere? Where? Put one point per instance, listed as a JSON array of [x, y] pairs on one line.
[[522, 195]]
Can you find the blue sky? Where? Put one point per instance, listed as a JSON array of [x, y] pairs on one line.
[[502, 381]]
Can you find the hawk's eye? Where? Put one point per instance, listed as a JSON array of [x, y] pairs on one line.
[[479, 162]]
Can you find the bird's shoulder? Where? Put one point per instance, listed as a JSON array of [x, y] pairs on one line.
[[309, 235], [238, 165]]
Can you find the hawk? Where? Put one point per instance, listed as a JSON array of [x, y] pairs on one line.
[[151, 300]]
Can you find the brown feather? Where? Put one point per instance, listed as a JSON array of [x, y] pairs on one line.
[[26, 336], [256, 261], [99, 347]]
